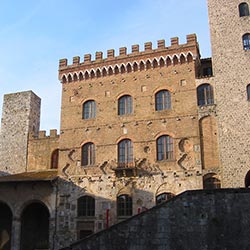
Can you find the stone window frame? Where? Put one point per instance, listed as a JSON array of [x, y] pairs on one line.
[[243, 9], [89, 110], [88, 154], [205, 94], [165, 148], [124, 205], [125, 153], [86, 206], [162, 100], [125, 105]]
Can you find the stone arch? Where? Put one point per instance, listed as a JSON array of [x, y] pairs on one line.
[[116, 69], [148, 64], [182, 59], [155, 63], [110, 71], [104, 72], [135, 66], [86, 75], [98, 73], [175, 60], [189, 57], [92, 74], [64, 79], [129, 68], [168, 61], [75, 77], [142, 65], [81, 76], [70, 78], [35, 219], [6, 218], [161, 62], [123, 69]]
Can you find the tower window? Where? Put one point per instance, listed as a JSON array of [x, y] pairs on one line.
[[165, 148], [205, 95], [246, 41], [125, 104], [89, 109], [243, 9], [163, 100], [88, 154]]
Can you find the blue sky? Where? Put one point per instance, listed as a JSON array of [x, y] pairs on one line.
[[34, 35]]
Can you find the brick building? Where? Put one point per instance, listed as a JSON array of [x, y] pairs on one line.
[[136, 129]]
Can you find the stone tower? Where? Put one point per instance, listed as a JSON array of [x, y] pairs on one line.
[[21, 115], [230, 41]]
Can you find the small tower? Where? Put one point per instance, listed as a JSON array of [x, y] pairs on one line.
[[21, 115], [230, 40]]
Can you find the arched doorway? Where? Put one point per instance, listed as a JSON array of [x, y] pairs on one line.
[[247, 180], [35, 227], [5, 226]]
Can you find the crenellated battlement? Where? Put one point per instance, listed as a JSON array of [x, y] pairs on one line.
[[125, 63], [42, 134]]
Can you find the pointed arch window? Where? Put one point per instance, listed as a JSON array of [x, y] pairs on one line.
[[243, 9], [86, 206], [162, 100], [88, 154], [246, 41], [205, 95], [165, 148], [125, 153], [125, 105], [124, 205], [89, 109]]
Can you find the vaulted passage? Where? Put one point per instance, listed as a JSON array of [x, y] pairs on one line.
[[5, 227], [35, 227]]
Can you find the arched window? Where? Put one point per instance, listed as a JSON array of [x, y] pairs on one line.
[[243, 9], [125, 153], [86, 206], [162, 100], [54, 159], [247, 180], [88, 154], [211, 182], [163, 197], [125, 105], [124, 205], [165, 148], [248, 92], [89, 109], [205, 95], [246, 41]]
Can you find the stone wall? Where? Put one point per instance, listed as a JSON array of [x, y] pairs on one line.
[[194, 220], [231, 71], [21, 115]]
